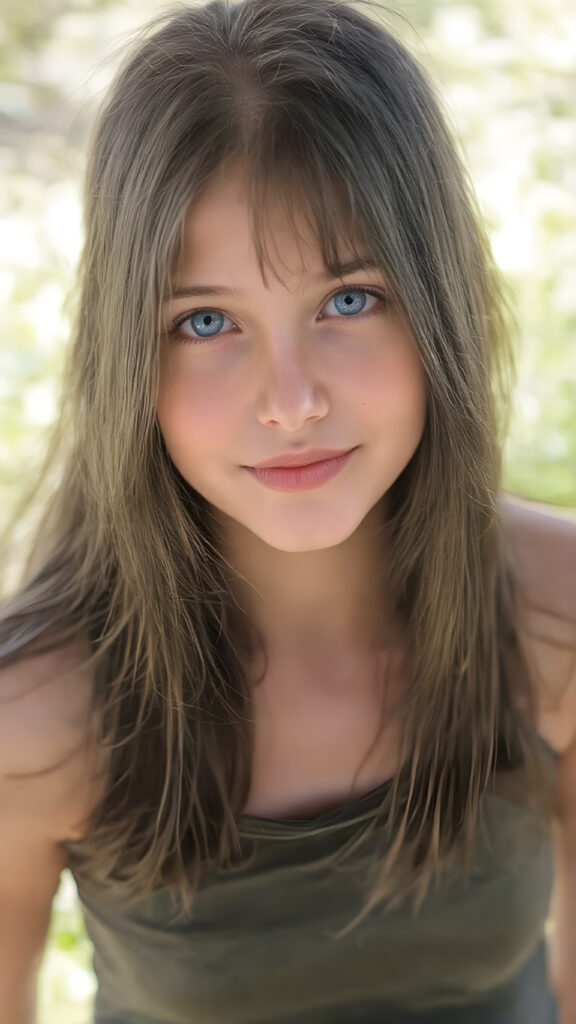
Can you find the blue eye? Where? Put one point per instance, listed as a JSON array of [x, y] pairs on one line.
[[350, 302], [206, 322], [210, 323]]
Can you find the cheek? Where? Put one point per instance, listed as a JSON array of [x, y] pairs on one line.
[[193, 419], [406, 392], [395, 390]]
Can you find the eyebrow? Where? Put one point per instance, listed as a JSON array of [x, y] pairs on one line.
[[348, 267]]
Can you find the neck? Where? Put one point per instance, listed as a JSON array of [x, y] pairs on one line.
[[320, 602]]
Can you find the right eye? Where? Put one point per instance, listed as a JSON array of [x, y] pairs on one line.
[[202, 324]]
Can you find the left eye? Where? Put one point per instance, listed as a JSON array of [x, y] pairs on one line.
[[351, 302]]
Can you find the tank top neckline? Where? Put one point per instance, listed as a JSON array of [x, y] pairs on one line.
[[344, 814]]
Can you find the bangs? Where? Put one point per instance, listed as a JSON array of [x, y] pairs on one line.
[[312, 198]]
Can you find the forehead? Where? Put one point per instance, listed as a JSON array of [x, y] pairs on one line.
[[228, 228]]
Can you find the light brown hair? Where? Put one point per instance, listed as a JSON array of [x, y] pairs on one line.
[[332, 113]]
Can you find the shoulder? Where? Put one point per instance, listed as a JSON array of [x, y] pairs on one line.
[[45, 701], [50, 764], [541, 546]]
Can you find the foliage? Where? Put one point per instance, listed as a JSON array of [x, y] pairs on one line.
[[66, 982]]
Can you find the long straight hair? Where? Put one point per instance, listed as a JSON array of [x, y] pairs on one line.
[[335, 118]]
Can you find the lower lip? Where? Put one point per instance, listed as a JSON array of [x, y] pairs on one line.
[[301, 478]]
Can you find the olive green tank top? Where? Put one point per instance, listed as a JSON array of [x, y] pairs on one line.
[[258, 946]]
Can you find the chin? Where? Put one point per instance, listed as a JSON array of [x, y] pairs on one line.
[[304, 539]]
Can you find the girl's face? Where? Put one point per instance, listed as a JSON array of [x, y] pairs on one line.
[[253, 371]]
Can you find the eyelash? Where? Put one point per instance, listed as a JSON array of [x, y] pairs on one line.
[[188, 339]]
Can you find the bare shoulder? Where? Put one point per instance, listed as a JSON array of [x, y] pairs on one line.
[[50, 765], [542, 546]]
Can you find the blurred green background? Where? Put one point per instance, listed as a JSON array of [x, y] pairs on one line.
[[506, 73]]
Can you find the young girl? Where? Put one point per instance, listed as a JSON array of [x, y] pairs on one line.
[[287, 682]]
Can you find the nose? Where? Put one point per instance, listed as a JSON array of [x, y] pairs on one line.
[[291, 390]]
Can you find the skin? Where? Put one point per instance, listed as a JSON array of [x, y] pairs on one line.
[[288, 370]]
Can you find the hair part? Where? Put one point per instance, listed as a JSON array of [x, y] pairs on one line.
[[330, 115]]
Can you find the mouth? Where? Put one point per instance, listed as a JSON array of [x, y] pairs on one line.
[[299, 460], [303, 477]]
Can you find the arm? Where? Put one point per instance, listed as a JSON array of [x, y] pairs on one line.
[[544, 550], [46, 789], [562, 943], [30, 867]]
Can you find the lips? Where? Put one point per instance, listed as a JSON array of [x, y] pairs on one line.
[[301, 478], [294, 459]]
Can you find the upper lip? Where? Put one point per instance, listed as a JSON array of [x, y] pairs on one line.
[[301, 458]]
